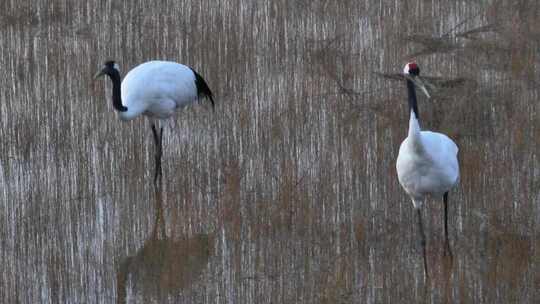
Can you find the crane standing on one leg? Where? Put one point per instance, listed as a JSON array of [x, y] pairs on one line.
[[427, 162], [155, 89]]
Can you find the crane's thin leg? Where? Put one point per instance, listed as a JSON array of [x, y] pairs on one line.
[[158, 140], [158, 174], [423, 240], [445, 199]]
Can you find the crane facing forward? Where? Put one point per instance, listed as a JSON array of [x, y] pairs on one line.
[[427, 162], [156, 89]]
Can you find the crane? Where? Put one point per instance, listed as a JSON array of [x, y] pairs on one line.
[[427, 163], [156, 89]]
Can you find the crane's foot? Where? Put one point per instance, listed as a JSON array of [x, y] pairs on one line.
[[447, 250]]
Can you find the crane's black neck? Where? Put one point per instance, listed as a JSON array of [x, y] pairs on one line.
[[116, 93], [413, 105]]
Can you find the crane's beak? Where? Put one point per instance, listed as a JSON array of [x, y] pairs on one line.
[[99, 74], [419, 82]]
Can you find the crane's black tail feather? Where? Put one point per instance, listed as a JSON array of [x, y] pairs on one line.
[[202, 88]]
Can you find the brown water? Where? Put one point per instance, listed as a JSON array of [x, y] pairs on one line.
[[287, 193]]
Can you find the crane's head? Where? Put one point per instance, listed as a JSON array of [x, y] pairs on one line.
[[412, 73], [411, 69], [109, 68]]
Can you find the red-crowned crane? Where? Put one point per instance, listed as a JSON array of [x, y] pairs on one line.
[[156, 89], [427, 162]]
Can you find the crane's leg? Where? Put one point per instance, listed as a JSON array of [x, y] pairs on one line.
[[423, 240], [158, 140], [158, 174], [445, 199]]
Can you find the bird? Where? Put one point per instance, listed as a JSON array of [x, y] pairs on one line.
[[427, 162], [156, 89]]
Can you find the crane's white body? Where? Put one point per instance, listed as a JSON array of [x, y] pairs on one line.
[[427, 163], [157, 89]]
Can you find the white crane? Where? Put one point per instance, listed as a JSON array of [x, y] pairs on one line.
[[427, 163], [156, 89]]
